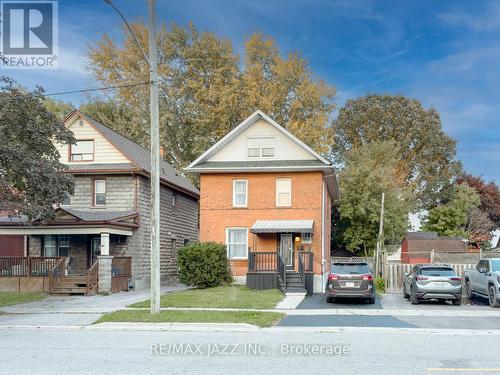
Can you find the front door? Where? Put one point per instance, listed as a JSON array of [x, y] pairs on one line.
[[286, 249], [95, 249]]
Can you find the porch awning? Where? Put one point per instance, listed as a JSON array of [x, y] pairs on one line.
[[282, 226]]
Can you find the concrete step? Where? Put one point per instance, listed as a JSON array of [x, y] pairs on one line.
[[75, 290]]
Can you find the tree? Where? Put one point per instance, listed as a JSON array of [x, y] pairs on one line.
[[58, 107], [369, 171], [205, 91], [451, 219], [31, 178], [479, 227], [427, 154], [489, 193]]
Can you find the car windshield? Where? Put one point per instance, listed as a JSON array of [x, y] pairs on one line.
[[495, 265], [434, 271], [350, 268]]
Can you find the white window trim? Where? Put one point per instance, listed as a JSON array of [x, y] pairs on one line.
[[95, 192], [227, 242], [276, 188], [260, 138], [234, 193]]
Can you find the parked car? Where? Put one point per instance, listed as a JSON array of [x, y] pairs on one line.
[[484, 280], [432, 282], [350, 280]]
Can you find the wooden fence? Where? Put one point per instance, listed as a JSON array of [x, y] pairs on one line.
[[394, 273]]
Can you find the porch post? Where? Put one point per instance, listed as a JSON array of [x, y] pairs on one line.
[[105, 265]]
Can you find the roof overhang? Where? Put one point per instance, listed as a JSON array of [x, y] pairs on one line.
[[282, 226], [56, 229], [260, 169]]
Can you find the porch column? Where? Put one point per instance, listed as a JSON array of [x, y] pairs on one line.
[[105, 265], [104, 243]]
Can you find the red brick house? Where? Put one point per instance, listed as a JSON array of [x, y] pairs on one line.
[[268, 196]]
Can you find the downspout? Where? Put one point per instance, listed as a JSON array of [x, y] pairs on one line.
[[323, 281]]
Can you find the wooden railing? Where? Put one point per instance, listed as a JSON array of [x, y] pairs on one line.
[[307, 260], [56, 273], [262, 261], [27, 266], [121, 271], [92, 275]]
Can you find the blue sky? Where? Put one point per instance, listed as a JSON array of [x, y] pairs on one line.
[[444, 53]]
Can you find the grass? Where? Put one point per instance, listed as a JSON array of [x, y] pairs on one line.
[[231, 296], [258, 318], [8, 298]]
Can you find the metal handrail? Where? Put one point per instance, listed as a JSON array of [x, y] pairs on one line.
[[281, 270]]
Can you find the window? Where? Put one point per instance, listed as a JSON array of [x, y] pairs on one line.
[[306, 238], [173, 250], [63, 245], [49, 246], [66, 201], [240, 190], [99, 192], [82, 151], [237, 242], [174, 200], [186, 241], [284, 192], [261, 147]]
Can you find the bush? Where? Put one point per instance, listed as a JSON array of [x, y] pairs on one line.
[[204, 265], [379, 285]]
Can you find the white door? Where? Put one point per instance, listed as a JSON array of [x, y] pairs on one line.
[[286, 249]]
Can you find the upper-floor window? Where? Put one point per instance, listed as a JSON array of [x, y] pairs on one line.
[[66, 201], [174, 200], [82, 151], [284, 192], [99, 192], [261, 147], [240, 193]]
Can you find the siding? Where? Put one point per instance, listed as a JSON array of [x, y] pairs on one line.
[[104, 151]]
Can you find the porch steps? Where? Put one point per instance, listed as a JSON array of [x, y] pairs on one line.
[[69, 285], [294, 282]]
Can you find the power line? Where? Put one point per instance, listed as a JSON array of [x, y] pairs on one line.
[[83, 90]]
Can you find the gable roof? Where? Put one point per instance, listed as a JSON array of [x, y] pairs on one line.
[[250, 120], [139, 156]]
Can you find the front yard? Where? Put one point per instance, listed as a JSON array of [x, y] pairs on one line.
[[258, 318], [231, 296], [8, 298]]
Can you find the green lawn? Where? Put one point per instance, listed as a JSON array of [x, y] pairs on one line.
[[230, 296], [258, 318], [8, 298]]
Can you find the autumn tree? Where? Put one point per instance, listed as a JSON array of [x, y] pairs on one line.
[[451, 219], [206, 89], [426, 153], [369, 171], [30, 172]]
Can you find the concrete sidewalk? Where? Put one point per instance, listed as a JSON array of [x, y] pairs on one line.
[[73, 310]]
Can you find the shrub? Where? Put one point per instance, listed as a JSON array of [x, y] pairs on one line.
[[379, 285], [204, 265]]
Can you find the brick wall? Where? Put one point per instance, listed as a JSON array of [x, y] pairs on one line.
[[217, 213]]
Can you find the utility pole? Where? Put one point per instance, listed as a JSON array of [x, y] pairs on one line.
[[378, 263], [155, 162]]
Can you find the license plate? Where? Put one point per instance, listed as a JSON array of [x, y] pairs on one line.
[[349, 285], [439, 283]]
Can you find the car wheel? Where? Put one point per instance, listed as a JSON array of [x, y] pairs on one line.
[[492, 298], [413, 299], [329, 300], [457, 302], [468, 289], [371, 301]]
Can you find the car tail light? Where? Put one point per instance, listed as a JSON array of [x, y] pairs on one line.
[[420, 278], [455, 278], [332, 276], [367, 277]]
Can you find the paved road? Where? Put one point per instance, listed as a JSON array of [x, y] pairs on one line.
[[118, 352]]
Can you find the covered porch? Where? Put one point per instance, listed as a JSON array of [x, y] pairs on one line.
[[281, 255]]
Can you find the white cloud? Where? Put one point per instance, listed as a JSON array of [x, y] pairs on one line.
[[487, 20]]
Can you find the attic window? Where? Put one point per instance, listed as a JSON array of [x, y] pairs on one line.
[[83, 150], [261, 147]]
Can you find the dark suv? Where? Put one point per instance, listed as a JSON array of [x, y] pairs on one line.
[[350, 280]]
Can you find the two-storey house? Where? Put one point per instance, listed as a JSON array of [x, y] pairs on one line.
[[107, 219], [268, 197]]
